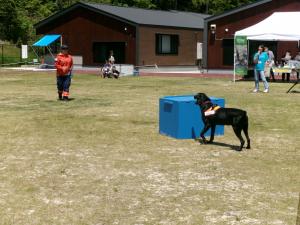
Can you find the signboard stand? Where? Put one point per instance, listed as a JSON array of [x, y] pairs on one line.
[[240, 56]]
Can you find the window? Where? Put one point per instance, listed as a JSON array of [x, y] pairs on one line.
[[167, 44]]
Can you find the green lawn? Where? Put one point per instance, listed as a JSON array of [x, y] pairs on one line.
[[12, 54], [100, 160]]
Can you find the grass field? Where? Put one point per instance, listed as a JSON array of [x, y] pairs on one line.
[[100, 160], [11, 54]]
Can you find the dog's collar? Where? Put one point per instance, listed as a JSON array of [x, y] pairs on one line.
[[205, 103]]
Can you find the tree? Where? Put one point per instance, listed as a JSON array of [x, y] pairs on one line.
[[219, 6], [12, 27]]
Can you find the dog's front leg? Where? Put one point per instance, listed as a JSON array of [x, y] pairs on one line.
[[212, 133], [206, 127]]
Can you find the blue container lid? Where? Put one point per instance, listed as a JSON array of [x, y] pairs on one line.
[[184, 98]]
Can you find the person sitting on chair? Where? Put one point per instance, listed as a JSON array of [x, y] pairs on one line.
[[285, 60], [115, 72], [297, 57], [106, 70]]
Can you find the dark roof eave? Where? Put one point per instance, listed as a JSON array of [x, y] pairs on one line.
[[173, 27], [233, 11], [75, 6]]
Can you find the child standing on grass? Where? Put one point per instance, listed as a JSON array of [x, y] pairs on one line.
[[64, 65]]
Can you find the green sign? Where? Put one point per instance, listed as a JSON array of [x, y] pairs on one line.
[[240, 55], [240, 40]]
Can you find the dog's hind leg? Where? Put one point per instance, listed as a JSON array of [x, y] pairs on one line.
[[238, 132], [245, 129]]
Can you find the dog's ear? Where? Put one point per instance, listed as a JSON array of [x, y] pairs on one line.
[[198, 96], [201, 97], [205, 97]]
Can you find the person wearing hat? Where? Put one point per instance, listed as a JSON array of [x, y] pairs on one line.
[[63, 65]]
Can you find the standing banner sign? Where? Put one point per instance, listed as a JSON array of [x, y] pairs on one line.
[[24, 51], [240, 56]]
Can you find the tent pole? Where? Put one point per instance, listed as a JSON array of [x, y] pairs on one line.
[[50, 52], [34, 51], [234, 59], [249, 57], [234, 73]]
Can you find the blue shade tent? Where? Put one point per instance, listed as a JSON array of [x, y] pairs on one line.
[[46, 40]]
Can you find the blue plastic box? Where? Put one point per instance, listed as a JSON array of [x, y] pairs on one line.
[[180, 117]]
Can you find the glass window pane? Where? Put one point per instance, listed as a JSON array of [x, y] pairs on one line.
[[166, 44]]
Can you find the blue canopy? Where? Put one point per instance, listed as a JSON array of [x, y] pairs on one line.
[[46, 40]]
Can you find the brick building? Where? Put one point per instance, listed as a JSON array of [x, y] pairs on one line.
[[137, 36], [218, 45]]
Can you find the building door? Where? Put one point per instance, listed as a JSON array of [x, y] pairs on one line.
[[101, 51], [228, 52]]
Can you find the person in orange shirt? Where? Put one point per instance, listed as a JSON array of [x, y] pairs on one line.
[[64, 66]]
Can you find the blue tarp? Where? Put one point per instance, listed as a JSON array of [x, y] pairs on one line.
[[46, 40]]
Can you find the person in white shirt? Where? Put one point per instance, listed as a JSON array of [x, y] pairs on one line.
[[111, 57], [297, 57], [286, 59], [270, 61]]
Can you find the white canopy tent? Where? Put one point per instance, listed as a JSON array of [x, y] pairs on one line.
[[280, 26]]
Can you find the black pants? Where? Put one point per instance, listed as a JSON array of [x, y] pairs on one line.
[[287, 76], [272, 74]]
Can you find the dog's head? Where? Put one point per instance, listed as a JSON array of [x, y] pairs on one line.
[[201, 98]]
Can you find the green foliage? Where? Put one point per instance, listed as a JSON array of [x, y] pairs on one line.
[[17, 17], [219, 6]]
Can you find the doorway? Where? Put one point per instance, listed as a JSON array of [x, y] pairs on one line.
[[228, 52], [101, 51]]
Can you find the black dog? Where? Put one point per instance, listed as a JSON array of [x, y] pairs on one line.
[[213, 115]]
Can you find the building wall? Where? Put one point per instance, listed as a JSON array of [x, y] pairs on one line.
[[81, 27], [242, 20], [187, 50]]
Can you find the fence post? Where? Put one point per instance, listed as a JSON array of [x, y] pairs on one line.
[[2, 57], [21, 60]]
